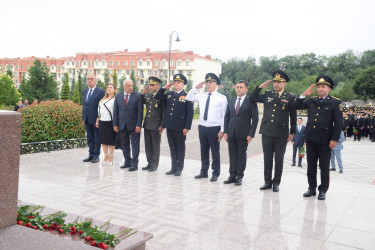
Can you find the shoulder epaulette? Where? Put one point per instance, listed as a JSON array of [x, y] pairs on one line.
[[335, 98]]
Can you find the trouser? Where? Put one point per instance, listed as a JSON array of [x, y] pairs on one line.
[[237, 157], [295, 147], [93, 140], [127, 137], [315, 152], [208, 140], [152, 147], [176, 141], [337, 154], [273, 146]]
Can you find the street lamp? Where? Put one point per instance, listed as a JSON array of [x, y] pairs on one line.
[[169, 55]]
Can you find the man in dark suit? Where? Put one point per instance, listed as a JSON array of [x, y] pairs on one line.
[[322, 132], [240, 124], [178, 119], [298, 142], [153, 123], [127, 120], [275, 125], [91, 97], [18, 106]]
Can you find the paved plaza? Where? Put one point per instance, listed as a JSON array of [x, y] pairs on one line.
[[184, 213]]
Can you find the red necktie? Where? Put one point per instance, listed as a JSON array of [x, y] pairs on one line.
[[126, 100], [238, 106]]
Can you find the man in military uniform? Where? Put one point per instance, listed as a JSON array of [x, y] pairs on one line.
[[322, 133], [358, 125], [153, 123], [178, 119], [275, 128]]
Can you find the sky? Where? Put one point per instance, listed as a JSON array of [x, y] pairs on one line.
[[222, 29]]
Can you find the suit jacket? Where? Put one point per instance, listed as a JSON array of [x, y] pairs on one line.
[[155, 112], [130, 116], [90, 108], [298, 137], [179, 113], [275, 121], [245, 123], [324, 118]]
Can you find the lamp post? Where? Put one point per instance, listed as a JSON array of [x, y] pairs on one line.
[[169, 55]]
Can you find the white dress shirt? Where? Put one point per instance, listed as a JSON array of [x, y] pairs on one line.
[[241, 101], [88, 92], [103, 112], [216, 109]]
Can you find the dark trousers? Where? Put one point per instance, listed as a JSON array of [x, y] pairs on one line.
[[237, 157], [93, 140], [273, 146], [176, 141], [152, 147], [315, 152], [127, 136], [208, 139], [295, 153], [358, 135]]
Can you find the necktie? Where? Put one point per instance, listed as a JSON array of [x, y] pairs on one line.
[[299, 128], [88, 97], [206, 109], [238, 106], [126, 100], [320, 99]]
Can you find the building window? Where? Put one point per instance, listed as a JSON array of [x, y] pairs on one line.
[[62, 67], [16, 80], [156, 72], [156, 63], [179, 63], [17, 67], [127, 72], [27, 67], [172, 63], [140, 63], [90, 63], [140, 73], [117, 63], [189, 72], [84, 63], [96, 63], [125, 63], [21, 66], [110, 63], [73, 63], [163, 63], [98, 71], [148, 63], [180, 71], [132, 63], [103, 63], [187, 63], [91, 71], [150, 72], [119, 72], [172, 72]]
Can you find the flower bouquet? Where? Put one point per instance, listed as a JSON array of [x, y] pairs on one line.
[[355, 131], [301, 152]]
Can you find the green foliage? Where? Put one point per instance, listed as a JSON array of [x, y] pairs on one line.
[[364, 84], [9, 94], [189, 85], [65, 92], [80, 87], [120, 84], [76, 98], [72, 88], [40, 85], [52, 120], [9, 72], [106, 77], [114, 77], [226, 88], [132, 77], [101, 84]]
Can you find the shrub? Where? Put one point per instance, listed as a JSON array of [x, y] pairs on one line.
[[52, 120]]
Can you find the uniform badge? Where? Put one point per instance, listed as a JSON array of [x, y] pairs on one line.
[[169, 96], [341, 107], [156, 105], [283, 107], [182, 99], [269, 99]]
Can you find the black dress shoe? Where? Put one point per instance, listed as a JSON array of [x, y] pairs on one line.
[[201, 175], [341, 171], [322, 195], [309, 193], [332, 169], [275, 188], [230, 180], [293, 165], [265, 187], [95, 160], [178, 173], [147, 167], [300, 166], [133, 168], [88, 159], [170, 172], [238, 182], [152, 169], [125, 166], [213, 178]]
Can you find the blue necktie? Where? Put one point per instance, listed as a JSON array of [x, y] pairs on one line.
[[88, 97], [206, 109]]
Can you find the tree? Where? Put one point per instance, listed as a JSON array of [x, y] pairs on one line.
[[364, 84], [121, 83], [76, 96], [40, 85], [189, 85], [9, 72], [80, 87], [8, 94], [227, 88], [101, 84], [72, 88], [65, 92], [106, 77], [132, 77], [114, 77]]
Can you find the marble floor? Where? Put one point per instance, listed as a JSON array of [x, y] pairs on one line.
[[184, 213]]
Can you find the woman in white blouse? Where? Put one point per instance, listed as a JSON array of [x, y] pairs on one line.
[[107, 136]]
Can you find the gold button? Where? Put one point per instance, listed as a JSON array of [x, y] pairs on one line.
[[171, 113], [316, 119], [172, 103], [271, 120], [150, 106], [149, 111], [148, 115], [272, 115], [172, 108], [273, 110], [318, 107], [275, 105], [317, 114], [313, 126]]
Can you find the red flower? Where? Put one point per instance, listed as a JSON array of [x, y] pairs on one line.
[[45, 227], [73, 229], [92, 243], [19, 222], [104, 246], [30, 217], [34, 227], [54, 225], [80, 232], [61, 231], [91, 238], [87, 238], [51, 228], [28, 224], [73, 233]]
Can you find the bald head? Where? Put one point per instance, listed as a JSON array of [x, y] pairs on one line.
[[128, 86]]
